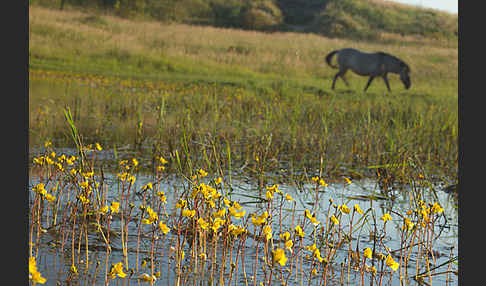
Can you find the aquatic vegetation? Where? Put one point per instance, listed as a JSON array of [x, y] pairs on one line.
[[202, 233]]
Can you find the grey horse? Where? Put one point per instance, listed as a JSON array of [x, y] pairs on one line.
[[369, 64]]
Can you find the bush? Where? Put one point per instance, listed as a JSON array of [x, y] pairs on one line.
[[261, 15]]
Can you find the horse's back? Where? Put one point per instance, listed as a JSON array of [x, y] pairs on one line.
[[359, 62]]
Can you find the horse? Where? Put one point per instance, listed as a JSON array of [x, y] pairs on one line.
[[369, 64]]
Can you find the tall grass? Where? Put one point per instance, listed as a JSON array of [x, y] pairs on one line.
[[177, 88]]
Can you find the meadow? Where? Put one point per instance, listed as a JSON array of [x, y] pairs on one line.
[[195, 112]]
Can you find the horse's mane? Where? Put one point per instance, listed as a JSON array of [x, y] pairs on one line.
[[400, 62]]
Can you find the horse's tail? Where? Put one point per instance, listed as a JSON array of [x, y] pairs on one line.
[[329, 57]]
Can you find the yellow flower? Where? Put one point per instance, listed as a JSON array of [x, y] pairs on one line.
[[386, 217], [162, 197], [40, 188], [236, 214], [117, 269], [367, 252], [50, 197], [98, 147], [289, 244], [148, 186], [267, 231], [236, 230], [358, 209], [261, 219], [220, 213], [202, 173], [33, 273], [236, 205], [322, 183], [285, 236], [217, 223], [115, 207], [299, 231], [334, 219], [391, 263], [317, 254], [218, 180], [83, 199], [73, 269], [315, 179], [344, 208], [188, 213], [153, 216], [202, 223], [163, 161], [347, 180], [279, 256], [181, 204], [436, 208], [47, 144], [163, 227], [269, 195], [135, 162], [288, 197], [408, 224], [104, 209], [131, 179]]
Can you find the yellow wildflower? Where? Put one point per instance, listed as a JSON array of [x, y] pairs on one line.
[[236, 214], [218, 180], [288, 197], [322, 183], [347, 180], [436, 208], [117, 269], [261, 219], [367, 252], [285, 235], [163, 227], [334, 219], [202, 173], [299, 231], [408, 224], [317, 254], [202, 223], [267, 231], [358, 209], [279, 256], [163, 161], [188, 213], [344, 208], [115, 207], [98, 146], [220, 213], [162, 197], [181, 204], [47, 144], [289, 244], [391, 263], [104, 209], [269, 195], [134, 162], [35, 275], [217, 223], [311, 248], [386, 217], [73, 269]]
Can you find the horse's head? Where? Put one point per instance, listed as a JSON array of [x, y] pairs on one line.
[[405, 77]]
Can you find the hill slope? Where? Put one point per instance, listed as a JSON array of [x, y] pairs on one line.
[[356, 19]]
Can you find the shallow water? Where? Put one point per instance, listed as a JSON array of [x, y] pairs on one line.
[[54, 264]]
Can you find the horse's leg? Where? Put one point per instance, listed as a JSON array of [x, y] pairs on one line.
[[341, 75], [386, 82], [369, 82], [344, 79]]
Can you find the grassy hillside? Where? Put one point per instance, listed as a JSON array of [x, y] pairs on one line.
[[355, 19]]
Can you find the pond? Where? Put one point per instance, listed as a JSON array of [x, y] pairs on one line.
[[70, 232]]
